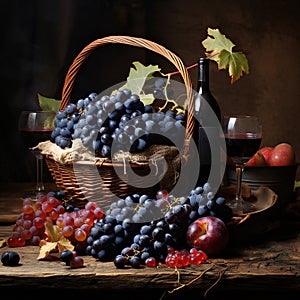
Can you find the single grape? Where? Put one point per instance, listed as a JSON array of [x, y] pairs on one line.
[[76, 262], [66, 256], [150, 262], [135, 261], [120, 261], [10, 258]]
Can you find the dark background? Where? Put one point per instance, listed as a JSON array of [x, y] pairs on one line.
[[40, 39]]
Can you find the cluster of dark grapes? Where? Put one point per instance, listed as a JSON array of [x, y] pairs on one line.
[[121, 118], [139, 229], [125, 119], [117, 228], [204, 203], [67, 119]]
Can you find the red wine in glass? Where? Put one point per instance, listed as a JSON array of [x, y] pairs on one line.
[[36, 127], [243, 135], [32, 137], [242, 146]]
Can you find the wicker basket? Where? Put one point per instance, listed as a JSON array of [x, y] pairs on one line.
[[112, 184]]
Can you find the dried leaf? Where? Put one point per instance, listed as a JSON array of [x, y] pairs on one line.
[[2, 242], [64, 244], [46, 248], [49, 229]]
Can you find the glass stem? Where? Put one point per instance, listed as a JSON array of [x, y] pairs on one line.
[[39, 172], [238, 197]]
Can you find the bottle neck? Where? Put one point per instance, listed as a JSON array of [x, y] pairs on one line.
[[203, 74], [204, 96]]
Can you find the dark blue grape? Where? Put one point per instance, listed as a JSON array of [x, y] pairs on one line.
[[135, 261], [106, 151], [80, 103], [70, 108], [61, 115], [160, 82], [158, 234], [66, 256], [120, 261], [148, 109], [65, 132], [221, 201], [203, 210], [146, 229], [106, 139], [10, 258]]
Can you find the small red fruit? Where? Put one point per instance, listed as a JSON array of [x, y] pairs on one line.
[[283, 154], [257, 160], [76, 262], [209, 234], [266, 152]]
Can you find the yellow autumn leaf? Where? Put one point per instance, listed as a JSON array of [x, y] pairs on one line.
[[64, 244], [47, 248], [2, 242]]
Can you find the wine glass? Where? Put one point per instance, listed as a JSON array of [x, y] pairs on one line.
[[36, 127], [243, 135]]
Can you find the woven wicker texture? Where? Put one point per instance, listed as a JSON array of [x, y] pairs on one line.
[[85, 184]]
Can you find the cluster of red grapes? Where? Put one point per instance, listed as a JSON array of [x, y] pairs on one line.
[[183, 258], [29, 228], [68, 221], [74, 224]]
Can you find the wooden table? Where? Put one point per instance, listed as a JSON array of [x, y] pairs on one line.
[[263, 268]]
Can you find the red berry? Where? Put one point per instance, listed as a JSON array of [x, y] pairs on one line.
[[76, 262], [150, 262], [162, 194]]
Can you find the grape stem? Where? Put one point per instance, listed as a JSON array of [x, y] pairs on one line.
[[182, 285], [194, 65], [177, 72]]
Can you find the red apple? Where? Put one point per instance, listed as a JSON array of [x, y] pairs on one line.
[[257, 160], [282, 154], [266, 152], [209, 234]]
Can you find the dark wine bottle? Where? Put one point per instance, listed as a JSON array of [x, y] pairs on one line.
[[207, 118]]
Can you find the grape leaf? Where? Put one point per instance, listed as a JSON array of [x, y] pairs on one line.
[[48, 248], [56, 246], [2, 242], [137, 78], [49, 230], [219, 48], [48, 104]]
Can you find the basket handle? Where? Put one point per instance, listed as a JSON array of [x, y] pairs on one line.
[[137, 42]]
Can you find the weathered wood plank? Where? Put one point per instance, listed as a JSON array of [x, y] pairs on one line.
[[268, 265], [258, 267]]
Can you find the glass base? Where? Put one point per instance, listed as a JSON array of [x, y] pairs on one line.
[[240, 206]]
